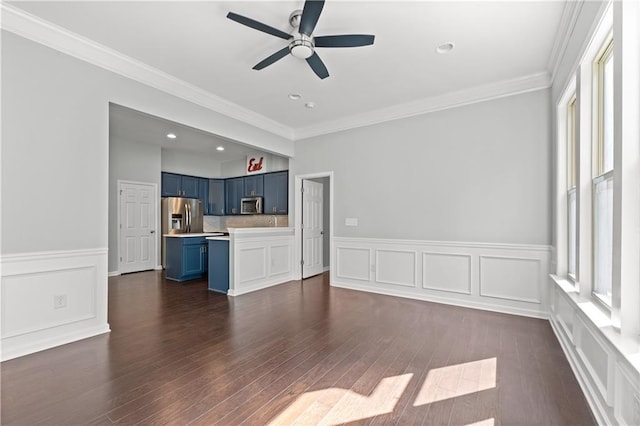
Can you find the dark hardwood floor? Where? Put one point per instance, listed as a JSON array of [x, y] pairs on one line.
[[302, 353]]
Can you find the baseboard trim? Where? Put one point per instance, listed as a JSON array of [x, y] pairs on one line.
[[114, 274], [41, 345], [445, 300], [260, 286]]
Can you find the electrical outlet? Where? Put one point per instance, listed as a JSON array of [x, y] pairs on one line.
[[59, 301]]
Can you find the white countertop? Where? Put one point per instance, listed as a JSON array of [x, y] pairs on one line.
[[222, 238], [200, 234]]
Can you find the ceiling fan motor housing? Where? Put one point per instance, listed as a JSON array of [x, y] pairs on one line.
[[301, 46]]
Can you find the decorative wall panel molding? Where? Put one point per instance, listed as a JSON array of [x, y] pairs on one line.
[[353, 263], [511, 278], [447, 272], [260, 258], [398, 267], [604, 363], [52, 298]]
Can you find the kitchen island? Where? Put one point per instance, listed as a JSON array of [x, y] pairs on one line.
[[255, 258]]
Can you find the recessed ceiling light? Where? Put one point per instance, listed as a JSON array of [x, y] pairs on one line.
[[220, 148], [445, 48], [294, 96], [310, 105], [171, 135]]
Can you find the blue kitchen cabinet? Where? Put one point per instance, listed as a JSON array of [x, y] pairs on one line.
[[219, 266], [276, 193], [203, 194], [254, 186], [171, 185], [175, 185], [216, 197], [190, 186], [186, 258], [234, 190]]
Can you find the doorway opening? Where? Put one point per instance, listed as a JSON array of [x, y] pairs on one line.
[[314, 223]]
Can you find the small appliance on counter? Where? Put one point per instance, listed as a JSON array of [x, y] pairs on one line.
[[251, 205], [180, 216]]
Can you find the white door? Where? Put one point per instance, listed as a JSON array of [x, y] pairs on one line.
[[312, 233], [137, 227]]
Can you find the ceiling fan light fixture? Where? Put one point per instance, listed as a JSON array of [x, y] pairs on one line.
[[301, 47]]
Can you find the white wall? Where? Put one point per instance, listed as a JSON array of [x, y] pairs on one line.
[[275, 163], [477, 173], [133, 162], [55, 186], [190, 163]]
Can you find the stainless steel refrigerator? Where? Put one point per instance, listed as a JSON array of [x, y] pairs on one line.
[[180, 216]]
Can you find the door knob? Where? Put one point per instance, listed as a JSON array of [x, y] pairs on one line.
[[152, 231]]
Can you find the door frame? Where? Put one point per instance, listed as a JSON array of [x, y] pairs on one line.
[[298, 219], [155, 223]]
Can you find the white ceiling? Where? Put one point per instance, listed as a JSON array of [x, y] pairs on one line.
[[195, 42], [129, 125]]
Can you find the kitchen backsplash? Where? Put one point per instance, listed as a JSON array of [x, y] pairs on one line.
[[222, 223]]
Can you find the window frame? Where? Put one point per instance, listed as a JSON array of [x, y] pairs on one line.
[[571, 190], [605, 54]]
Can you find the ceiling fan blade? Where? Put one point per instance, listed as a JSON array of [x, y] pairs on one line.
[[317, 66], [347, 40], [271, 59], [251, 23], [310, 14]]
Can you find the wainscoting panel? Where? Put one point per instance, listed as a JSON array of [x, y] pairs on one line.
[[597, 359], [397, 267], [510, 278], [260, 258], [254, 260], [52, 298], [601, 359], [353, 263], [280, 259], [447, 272]]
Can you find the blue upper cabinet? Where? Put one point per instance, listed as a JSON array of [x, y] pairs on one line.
[[171, 185], [216, 197], [234, 190], [276, 193], [190, 186], [203, 193], [175, 185], [254, 186]]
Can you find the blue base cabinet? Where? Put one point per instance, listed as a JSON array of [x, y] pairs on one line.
[[219, 266], [186, 258]]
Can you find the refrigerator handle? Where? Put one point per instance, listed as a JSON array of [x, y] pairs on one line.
[[186, 217]]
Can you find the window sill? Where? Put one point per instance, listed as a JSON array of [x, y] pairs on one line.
[[627, 347]]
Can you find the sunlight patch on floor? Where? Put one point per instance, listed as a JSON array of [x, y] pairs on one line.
[[487, 422], [457, 380], [337, 405]]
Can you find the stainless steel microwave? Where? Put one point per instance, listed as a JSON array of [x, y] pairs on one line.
[[252, 205]]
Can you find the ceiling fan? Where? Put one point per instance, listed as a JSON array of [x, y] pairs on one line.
[[302, 43]]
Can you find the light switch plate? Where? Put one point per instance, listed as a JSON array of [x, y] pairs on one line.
[[351, 221]]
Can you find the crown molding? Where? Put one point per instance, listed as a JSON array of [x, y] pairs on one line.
[[568, 22], [43, 32], [449, 100], [31, 27]]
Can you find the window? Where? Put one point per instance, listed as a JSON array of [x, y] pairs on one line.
[[572, 243], [603, 176]]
